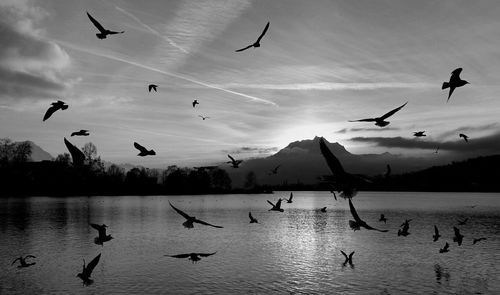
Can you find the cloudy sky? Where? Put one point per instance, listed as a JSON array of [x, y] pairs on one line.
[[321, 64]]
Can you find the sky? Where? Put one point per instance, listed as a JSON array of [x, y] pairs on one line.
[[321, 64]]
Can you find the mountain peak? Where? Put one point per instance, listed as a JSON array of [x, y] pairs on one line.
[[312, 146]]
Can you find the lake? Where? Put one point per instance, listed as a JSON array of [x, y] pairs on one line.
[[294, 252]]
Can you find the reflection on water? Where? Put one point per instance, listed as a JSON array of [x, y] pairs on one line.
[[297, 251]]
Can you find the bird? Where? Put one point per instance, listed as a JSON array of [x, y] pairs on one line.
[[194, 257], [76, 154], [436, 234], [82, 132], [152, 87], [257, 43], [191, 219], [357, 222], [274, 171], [406, 222], [474, 241], [102, 234], [276, 207], [380, 121], [195, 102], [204, 118], [103, 33], [22, 261], [455, 81], [382, 218], [419, 133], [404, 231], [252, 219], [289, 200], [234, 163], [55, 106], [458, 237], [463, 221], [388, 171], [87, 270], [445, 248], [348, 259], [323, 209], [143, 151], [465, 137], [437, 150]]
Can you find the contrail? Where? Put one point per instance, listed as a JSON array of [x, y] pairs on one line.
[[253, 98], [153, 31]]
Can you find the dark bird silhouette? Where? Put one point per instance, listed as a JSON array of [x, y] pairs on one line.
[[357, 223], [82, 132], [463, 221], [257, 43], [445, 248], [76, 154], [380, 121], [419, 134], [101, 229], [195, 102], [333, 192], [458, 237], [436, 234], [382, 218], [103, 33], [191, 219], [465, 137], [152, 87], [474, 241], [348, 259], [323, 209], [437, 150], [87, 270], [194, 257], [388, 171], [455, 81], [55, 106], [274, 171], [276, 207], [22, 261], [404, 231], [406, 222], [252, 219], [234, 163], [143, 151], [204, 118], [289, 200]]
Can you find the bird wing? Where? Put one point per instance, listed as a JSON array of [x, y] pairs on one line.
[[18, 258], [180, 212], [29, 256], [114, 32], [242, 49], [457, 231], [49, 112], [331, 160], [446, 246], [392, 112], [180, 255], [140, 148], [350, 255], [90, 267], [96, 24], [101, 229], [291, 196], [205, 254], [76, 154], [436, 231], [232, 159], [343, 253], [271, 203], [364, 120], [263, 32], [206, 223], [456, 74], [278, 204], [150, 87], [250, 215], [353, 212], [365, 225]]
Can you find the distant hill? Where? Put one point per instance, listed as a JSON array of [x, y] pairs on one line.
[[37, 153]]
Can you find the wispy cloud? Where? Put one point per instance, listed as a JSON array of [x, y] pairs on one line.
[[327, 86], [252, 150], [345, 130]]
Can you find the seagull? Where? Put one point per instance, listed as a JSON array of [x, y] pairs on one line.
[[348, 259], [465, 137], [152, 87], [357, 222], [22, 261], [195, 102], [404, 231], [204, 118], [82, 132], [276, 207], [380, 121], [257, 43], [102, 234], [436, 234], [76, 154], [455, 82], [252, 219], [419, 134], [289, 199], [388, 171], [87, 271], [194, 257], [191, 219], [474, 241], [382, 218], [458, 237], [103, 33], [406, 222], [463, 221], [233, 162], [323, 209], [143, 151], [445, 248], [55, 106], [274, 171], [437, 150]]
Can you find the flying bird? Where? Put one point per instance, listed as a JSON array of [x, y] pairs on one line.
[[436, 234], [204, 118], [474, 241], [22, 261], [101, 229], [323, 209], [463, 221], [191, 219], [455, 81], [257, 43], [380, 121], [419, 134], [152, 87], [406, 222], [103, 33], [465, 137], [382, 218], [445, 248], [87, 270], [234, 163], [143, 151], [348, 259], [458, 237], [194, 257], [289, 200], [276, 207], [404, 231], [76, 154], [82, 132], [55, 106], [357, 223], [274, 171], [252, 219], [437, 150], [195, 102]]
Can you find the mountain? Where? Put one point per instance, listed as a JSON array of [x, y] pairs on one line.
[[37, 153]]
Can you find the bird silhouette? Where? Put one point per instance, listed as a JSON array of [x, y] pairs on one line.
[[82, 132], [419, 133], [404, 231], [77, 155], [458, 237], [152, 87], [276, 207], [194, 257], [357, 223], [252, 219], [195, 102], [87, 270], [382, 218], [463, 221], [55, 106], [348, 259], [445, 248], [257, 43], [103, 33], [323, 209], [143, 151], [465, 137], [191, 219], [436, 234], [289, 200], [380, 121], [474, 241], [234, 163], [22, 261], [204, 118], [101, 229], [437, 150], [274, 171], [455, 81]]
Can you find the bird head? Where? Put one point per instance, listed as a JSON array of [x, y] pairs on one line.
[[101, 36]]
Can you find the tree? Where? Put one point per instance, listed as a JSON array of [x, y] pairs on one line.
[[90, 152], [64, 158], [220, 179], [250, 180], [22, 152]]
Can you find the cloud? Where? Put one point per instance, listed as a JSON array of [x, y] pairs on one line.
[[326, 86], [345, 130], [252, 150], [465, 129]]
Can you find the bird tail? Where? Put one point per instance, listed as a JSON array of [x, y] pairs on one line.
[[445, 85]]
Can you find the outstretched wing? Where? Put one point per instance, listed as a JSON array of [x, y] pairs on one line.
[[206, 223], [140, 148], [455, 75], [270, 203], [457, 231], [114, 32], [49, 112], [343, 253], [446, 246], [29, 256], [18, 258], [205, 254], [364, 120], [250, 215], [101, 229], [90, 267], [392, 112], [350, 255], [365, 225], [331, 160], [436, 231], [353, 212], [291, 196], [242, 49], [76, 154], [96, 23], [232, 159], [278, 204], [180, 212], [179, 255], [263, 32]]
